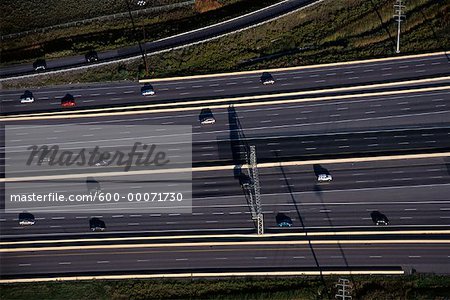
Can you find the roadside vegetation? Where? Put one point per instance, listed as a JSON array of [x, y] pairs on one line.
[[104, 34], [369, 287], [335, 30]]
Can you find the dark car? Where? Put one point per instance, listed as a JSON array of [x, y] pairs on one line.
[[206, 117], [40, 65], [95, 224], [245, 180], [147, 90], [283, 220], [26, 219], [27, 97], [267, 78], [68, 101], [91, 56], [379, 219], [93, 186]]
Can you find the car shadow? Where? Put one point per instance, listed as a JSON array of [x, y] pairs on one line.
[[318, 169]]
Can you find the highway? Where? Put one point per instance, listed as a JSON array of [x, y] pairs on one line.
[[432, 256], [408, 192], [168, 43], [233, 85], [412, 193]]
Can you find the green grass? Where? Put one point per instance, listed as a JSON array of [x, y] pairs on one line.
[[364, 287], [25, 15], [115, 33], [336, 30]]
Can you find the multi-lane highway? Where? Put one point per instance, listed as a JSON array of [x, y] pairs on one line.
[[409, 193], [233, 85], [407, 118], [418, 256]]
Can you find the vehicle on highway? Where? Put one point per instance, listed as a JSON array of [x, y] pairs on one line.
[[91, 56], [206, 117], [40, 65], [147, 90], [379, 219], [102, 163], [244, 180], [283, 220], [93, 186], [27, 97], [324, 178], [68, 101], [267, 78], [95, 224], [26, 219]]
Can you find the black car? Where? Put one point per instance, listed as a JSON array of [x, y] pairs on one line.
[[40, 65], [91, 56], [96, 224], [267, 78], [26, 219], [93, 186], [283, 220], [379, 219]]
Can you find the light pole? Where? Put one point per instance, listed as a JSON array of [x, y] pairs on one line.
[[398, 7], [135, 33]]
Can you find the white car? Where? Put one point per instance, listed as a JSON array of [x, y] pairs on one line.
[[206, 117], [27, 97], [208, 121], [324, 178]]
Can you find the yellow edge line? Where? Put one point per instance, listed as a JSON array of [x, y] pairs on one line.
[[293, 68], [269, 235], [104, 111], [231, 167], [189, 275], [209, 244]]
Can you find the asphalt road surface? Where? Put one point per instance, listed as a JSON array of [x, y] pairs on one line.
[[120, 93], [408, 192], [429, 257]]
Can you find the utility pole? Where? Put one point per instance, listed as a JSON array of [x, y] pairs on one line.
[[256, 190], [344, 289], [135, 33], [398, 15]]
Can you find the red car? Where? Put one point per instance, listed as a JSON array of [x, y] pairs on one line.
[[68, 101]]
